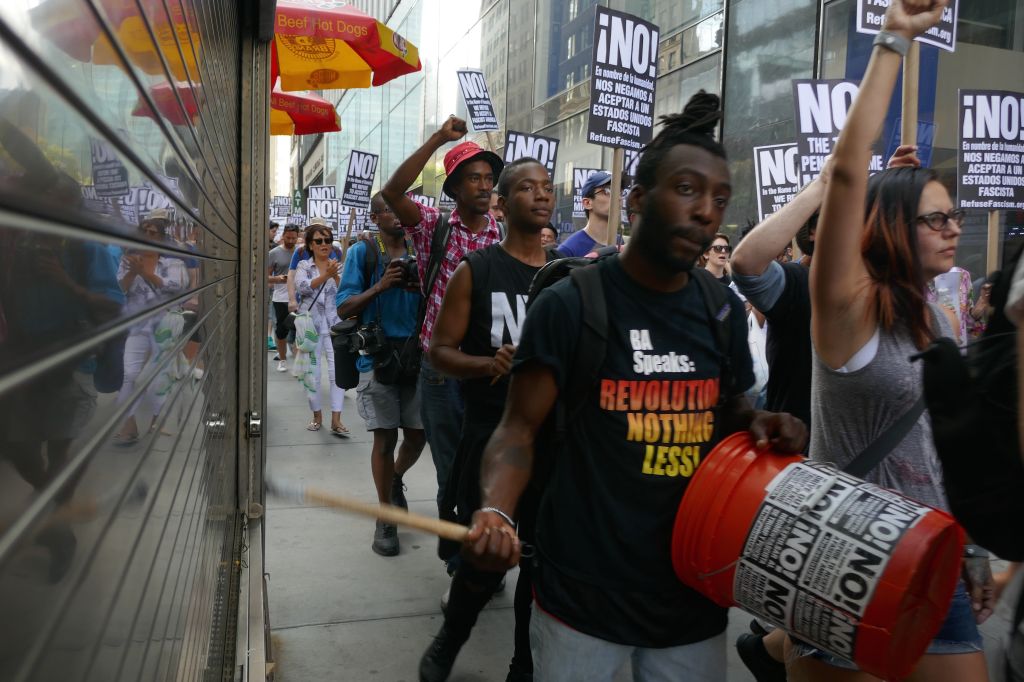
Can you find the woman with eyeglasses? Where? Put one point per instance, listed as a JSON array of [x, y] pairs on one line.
[[878, 243], [316, 279], [716, 258]]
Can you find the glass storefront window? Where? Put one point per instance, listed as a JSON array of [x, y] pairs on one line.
[[769, 44], [669, 15], [565, 39]]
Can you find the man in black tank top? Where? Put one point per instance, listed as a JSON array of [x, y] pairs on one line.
[[474, 341]]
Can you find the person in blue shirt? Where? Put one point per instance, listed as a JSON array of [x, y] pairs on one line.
[[597, 202], [376, 285]]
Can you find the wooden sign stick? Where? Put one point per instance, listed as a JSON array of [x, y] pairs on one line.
[[911, 78], [614, 211], [348, 232]]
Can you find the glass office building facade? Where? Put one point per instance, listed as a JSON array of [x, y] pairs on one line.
[[536, 57]]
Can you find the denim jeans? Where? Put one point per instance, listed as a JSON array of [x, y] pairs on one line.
[[442, 411], [561, 654]]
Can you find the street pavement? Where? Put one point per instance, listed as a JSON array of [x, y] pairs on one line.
[[337, 611]]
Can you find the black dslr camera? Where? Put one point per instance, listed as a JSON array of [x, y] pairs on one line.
[[367, 339], [410, 274]]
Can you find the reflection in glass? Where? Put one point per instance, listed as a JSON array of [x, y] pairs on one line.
[[769, 45]]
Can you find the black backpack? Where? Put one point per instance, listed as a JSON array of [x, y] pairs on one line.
[[972, 401], [593, 340]]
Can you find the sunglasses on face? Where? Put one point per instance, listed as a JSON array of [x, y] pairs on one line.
[[937, 220], [320, 241], [721, 248], [602, 191]]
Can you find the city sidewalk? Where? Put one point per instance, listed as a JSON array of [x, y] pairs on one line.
[[339, 612]]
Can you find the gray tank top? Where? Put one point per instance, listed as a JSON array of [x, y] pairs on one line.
[[850, 410]]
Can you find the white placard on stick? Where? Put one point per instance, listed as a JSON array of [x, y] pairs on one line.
[[322, 203], [870, 14], [109, 175], [990, 154], [359, 182], [478, 99], [777, 175], [821, 109], [544, 149], [624, 68]]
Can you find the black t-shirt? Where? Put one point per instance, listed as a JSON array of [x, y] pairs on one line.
[[789, 346], [605, 524], [497, 312]]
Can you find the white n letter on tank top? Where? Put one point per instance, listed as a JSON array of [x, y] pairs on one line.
[[503, 318]]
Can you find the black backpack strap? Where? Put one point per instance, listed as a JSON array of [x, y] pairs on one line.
[[719, 308], [593, 341], [438, 247], [871, 456], [875, 452]]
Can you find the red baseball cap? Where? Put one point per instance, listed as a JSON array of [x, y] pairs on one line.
[[464, 153]]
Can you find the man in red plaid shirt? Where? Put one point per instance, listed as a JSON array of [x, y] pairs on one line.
[[472, 172]]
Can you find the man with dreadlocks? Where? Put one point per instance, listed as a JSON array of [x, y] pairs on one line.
[[604, 586]]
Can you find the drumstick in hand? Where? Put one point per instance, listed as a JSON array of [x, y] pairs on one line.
[[384, 512]]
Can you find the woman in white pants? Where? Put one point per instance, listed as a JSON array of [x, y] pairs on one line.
[[147, 278], [322, 271]]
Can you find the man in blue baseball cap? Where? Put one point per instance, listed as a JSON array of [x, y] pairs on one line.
[[597, 200]]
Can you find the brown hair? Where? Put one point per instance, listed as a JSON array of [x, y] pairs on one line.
[[889, 249], [311, 231]]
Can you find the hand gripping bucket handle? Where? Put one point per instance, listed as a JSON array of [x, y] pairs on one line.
[[854, 569]]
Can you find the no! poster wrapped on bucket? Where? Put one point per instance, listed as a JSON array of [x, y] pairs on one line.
[[856, 570]]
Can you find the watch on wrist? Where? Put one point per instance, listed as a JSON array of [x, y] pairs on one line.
[[893, 42]]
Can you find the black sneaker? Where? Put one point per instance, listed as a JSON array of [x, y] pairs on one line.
[[753, 654], [398, 493], [385, 539], [437, 661]]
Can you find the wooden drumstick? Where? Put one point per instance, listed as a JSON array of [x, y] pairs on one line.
[[384, 512]]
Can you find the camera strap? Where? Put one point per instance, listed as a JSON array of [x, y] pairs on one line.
[[371, 261]]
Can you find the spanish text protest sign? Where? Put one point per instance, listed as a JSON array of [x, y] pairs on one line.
[[361, 168], [322, 202], [777, 174], [990, 155], [478, 99], [544, 149], [622, 87], [821, 109], [870, 14]]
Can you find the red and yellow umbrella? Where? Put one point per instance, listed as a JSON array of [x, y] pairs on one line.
[[325, 44], [166, 102], [80, 35], [293, 113]]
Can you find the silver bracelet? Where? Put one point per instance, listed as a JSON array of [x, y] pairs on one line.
[[975, 552], [500, 513], [893, 42]]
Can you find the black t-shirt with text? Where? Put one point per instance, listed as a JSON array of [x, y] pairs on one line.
[[605, 524], [789, 346], [497, 312]]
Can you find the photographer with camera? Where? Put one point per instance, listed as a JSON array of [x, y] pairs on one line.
[[381, 285]]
